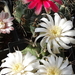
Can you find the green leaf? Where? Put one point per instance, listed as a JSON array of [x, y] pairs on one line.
[[33, 50]]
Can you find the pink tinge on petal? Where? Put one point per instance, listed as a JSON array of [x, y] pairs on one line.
[[2, 15], [11, 18], [3, 31], [8, 19], [6, 16], [32, 5], [8, 31], [59, 1], [26, 1], [11, 28], [54, 6], [9, 24], [38, 9], [47, 10], [46, 4]]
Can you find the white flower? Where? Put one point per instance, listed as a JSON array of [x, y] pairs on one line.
[[5, 23], [54, 66], [17, 64], [56, 33]]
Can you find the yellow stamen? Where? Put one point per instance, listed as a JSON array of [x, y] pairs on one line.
[[53, 71], [54, 32], [2, 25], [17, 67]]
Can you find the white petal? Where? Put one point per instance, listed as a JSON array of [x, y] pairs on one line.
[[42, 42], [45, 20], [41, 35], [29, 68], [57, 19], [67, 26], [49, 47], [43, 25], [56, 50], [29, 73], [62, 21], [47, 40], [18, 74], [40, 30], [18, 57], [41, 66], [45, 63], [55, 47], [29, 60], [62, 44], [5, 70], [60, 60], [72, 40], [6, 64], [51, 60], [65, 39], [51, 19], [42, 71], [69, 33], [65, 64], [67, 70]]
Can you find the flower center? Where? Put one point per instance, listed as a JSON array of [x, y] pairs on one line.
[[17, 67], [53, 71], [54, 32], [2, 25]]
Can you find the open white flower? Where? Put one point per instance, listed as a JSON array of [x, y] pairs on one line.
[[17, 64], [54, 66], [56, 33]]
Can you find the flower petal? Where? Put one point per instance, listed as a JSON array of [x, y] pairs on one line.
[[32, 5], [7, 31], [46, 4], [47, 9], [39, 37], [62, 21], [49, 47], [51, 60], [54, 6], [59, 1], [28, 59], [46, 21], [57, 19], [69, 33], [18, 57], [2, 15], [38, 8], [42, 42], [51, 19], [26, 1], [55, 47], [67, 70], [45, 63], [60, 60], [62, 44], [40, 30], [65, 39], [65, 64], [67, 26], [72, 40], [43, 25], [4, 71]]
